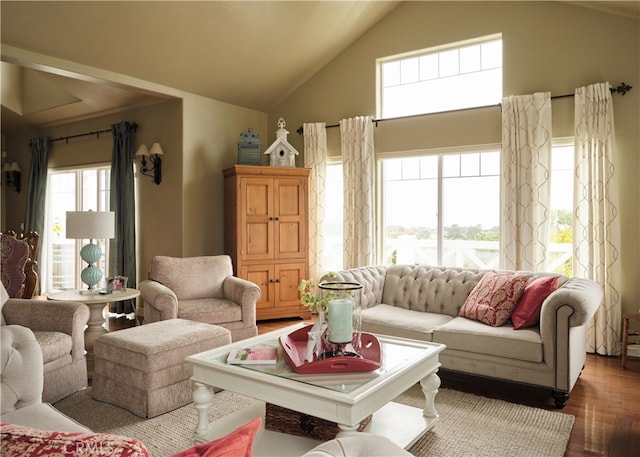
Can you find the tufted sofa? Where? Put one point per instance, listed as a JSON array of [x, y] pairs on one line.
[[424, 302]]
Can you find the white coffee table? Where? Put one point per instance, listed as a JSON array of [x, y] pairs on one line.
[[345, 398], [96, 303]]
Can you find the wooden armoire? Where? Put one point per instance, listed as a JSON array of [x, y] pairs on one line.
[[266, 234]]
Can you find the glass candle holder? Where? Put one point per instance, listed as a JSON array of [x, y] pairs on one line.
[[344, 321]]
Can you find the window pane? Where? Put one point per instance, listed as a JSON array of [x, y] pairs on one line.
[[470, 59], [561, 230], [429, 67], [409, 71], [391, 73], [470, 165], [471, 219], [410, 224]]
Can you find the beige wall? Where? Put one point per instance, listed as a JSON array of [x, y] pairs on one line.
[[183, 215], [211, 133], [547, 46]]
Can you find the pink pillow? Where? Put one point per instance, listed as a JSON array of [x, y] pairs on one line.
[[238, 443], [527, 312], [494, 297], [19, 440]]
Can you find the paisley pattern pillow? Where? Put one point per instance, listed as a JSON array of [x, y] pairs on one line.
[[19, 440], [494, 298]]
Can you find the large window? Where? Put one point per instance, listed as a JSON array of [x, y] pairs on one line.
[[462, 75], [441, 209], [70, 190], [444, 209]]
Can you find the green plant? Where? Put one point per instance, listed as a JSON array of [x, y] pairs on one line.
[[312, 297]]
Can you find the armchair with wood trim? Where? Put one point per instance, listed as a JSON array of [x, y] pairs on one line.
[[201, 289], [18, 262]]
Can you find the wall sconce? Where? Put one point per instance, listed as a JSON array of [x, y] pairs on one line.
[[12, 175], [153, 156]]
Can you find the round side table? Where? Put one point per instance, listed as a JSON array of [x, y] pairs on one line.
[[96, 303]]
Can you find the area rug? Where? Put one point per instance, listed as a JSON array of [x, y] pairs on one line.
[[469, 425]]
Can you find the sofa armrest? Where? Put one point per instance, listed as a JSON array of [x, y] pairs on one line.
[[245, 293], [583, 297], [22, 369], [160, 303], [53, 316]]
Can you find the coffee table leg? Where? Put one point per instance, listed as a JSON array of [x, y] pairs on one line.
[[346, 430], [430, 386], [202, 398]]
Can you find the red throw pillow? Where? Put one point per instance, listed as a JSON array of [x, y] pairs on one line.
[[527, 312], [19, 440], [238, 443], [494, 297]]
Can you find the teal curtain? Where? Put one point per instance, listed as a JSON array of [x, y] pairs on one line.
[[37, 191], [123, 246]]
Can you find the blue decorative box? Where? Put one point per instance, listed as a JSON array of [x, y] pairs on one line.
[[249, 148]]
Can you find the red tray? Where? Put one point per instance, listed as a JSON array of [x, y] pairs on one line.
[[294, 346]]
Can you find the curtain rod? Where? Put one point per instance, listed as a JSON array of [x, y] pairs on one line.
[[95, 132], [621, 89]]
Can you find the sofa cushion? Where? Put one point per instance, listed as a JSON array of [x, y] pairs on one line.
[[20, 440], [404, 323], [495, 296], [473, 336], [210, 310], [527, 311], [238, 443], [55, 345]]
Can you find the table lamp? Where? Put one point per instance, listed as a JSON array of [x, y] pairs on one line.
[[91, 225]]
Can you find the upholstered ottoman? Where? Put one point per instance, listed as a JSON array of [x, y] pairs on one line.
[[142, 369]]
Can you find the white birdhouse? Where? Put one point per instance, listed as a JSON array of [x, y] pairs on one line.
[[281, 153]]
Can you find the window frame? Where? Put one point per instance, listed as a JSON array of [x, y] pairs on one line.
[[102, 197], [428, 51]]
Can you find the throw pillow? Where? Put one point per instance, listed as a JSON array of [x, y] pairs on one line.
[[494, 297], [527, 312], [19, 440], [238, 443]]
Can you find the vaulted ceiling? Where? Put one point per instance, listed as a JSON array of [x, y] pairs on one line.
[[247, 53]]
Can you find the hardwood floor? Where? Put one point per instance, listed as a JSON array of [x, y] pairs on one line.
[[605, 400]]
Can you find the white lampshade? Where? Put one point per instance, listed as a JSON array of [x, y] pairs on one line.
[[156, 149], [90, 225], [142, 150]]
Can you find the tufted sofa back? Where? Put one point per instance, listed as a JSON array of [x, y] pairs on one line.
[[371, 278], [440, 290], [21, 368]]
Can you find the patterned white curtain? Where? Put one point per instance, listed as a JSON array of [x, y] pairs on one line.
[[526, 171], [596, 225], [315, 157], [358, 162]]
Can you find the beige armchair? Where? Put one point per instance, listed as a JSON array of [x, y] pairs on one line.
[[200, 289], [59, 329]]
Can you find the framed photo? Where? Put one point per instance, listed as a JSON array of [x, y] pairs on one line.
[[117, 283]]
